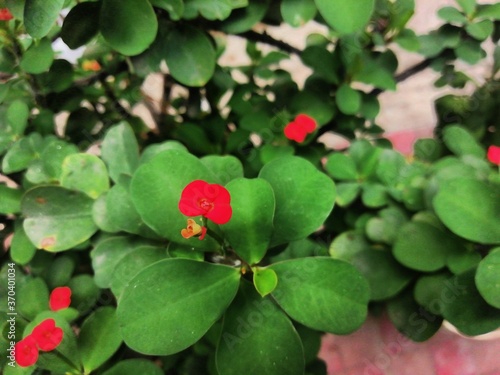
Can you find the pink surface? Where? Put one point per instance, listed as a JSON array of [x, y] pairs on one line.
[[403, 140], [379, 349]]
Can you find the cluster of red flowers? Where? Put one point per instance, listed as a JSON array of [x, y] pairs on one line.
[[212, 201], [45, 336], [298, 129], [494, 154], [5, 14]]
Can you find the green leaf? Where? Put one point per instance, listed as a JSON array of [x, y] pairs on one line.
[[348, 100], [265, 280], [134, 367], [164, 309], [346, 17], [17, 116], [120, 151], [347, 192], [38, 57], [346, 245], [461, 142], [470, 51], [411, 319], [59, 272], [190, 56], [32, 297], [41, 15], [81, 24], [423, 247], [451, 14], [84, 293], [257, 336], [16, 7], [488, 11], [317, 106], [152, 150], [384, 274], [335, 292], [468, 6], [480, 30], [432, 292], [323, 62], [128, 26], [99, 338], [297, 184], [341, 166], [211, 10], [390, 166], [408, 40], [164, 178], [427, 149], [86, 173], [175, 8], [374, 195], [21, 248], [101, 216], [386, 227], [244, 19], [57, 219], [488, 278], [466, 308], [297, 12], [132, 263], [470, 209], [251, 226], [10, 202], [225, 168]]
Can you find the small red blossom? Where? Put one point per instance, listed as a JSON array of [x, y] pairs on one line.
[[47, 335], [209, 200], [298, 129], [5, 14], [193, 229], [60, 298], [494, 154], [26, 352]]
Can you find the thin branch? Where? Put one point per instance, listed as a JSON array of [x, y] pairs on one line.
[[267, 39]]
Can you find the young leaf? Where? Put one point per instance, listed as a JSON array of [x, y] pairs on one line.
[[265, 281]]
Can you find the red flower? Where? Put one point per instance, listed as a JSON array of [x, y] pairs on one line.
[[60, 298], [298, 129], [193, 229], [494, 154], [26, 352], [5, 14], [210, 200], [47, 335]]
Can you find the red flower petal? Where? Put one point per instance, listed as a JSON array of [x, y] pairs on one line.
[[5, 15], [190, 197], [306, 122], [26, 352], [295, 132], [47, 335], [60, 298], [220, 214], [203, 233], [494, 154]]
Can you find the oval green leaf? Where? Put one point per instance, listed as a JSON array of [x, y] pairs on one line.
[[488, 278], [40, 16], [129, 26], [86, 173], [335, 293], [56, 218], [297, 187], [470, 208], [257, 335], [265, 280], [38, 57], [134, 367], [190, 56], [251, 226], [164, 309], [346, 17]]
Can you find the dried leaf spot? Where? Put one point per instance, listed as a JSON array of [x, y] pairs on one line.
[[41, 200], [48, 242]]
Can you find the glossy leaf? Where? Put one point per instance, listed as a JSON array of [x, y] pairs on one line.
[[244, 19], [461, 142], [298, 12], [251, 226], [38, 57], [40, 16], [86, 173], [297, 184], [457, 205], [225, 168], [11, 200], [57, 219], [341, 166], [99, 338], [120, 151], [128, 26], [133, 367], [265, 281], [467, 310], [346, 17], [22, 249], [81, 24], [257, 335], [335, 292], [190, 56], [164, 309], [488, 278]]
